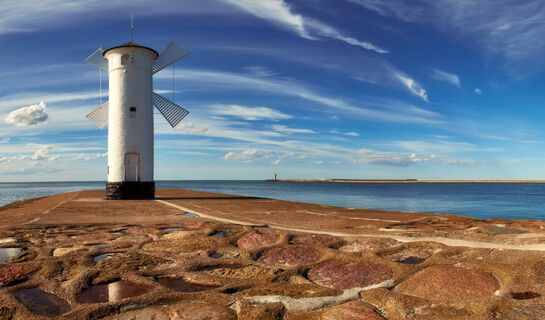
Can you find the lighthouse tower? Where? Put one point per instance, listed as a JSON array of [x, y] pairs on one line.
[[129, 115]]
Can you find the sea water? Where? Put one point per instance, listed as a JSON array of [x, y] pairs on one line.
[[480, 200]]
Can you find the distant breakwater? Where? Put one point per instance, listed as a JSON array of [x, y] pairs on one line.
[[403, 181]]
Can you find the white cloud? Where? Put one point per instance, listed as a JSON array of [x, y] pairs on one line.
[[280, 13], [350, 133], [276, 162], [412, 86], [446, 77], [87, 156], [478, 91], [250, 113], [191, 128], [41, 154], [30, 116], [5, 140], [254, 154], [288, 130], [368, 156]]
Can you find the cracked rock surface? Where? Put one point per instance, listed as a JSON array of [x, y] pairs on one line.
[[78, 256]]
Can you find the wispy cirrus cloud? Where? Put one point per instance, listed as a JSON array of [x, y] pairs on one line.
[[414, 87], [250, 113], [371, 109], [288, 130], [505, 29], [280, 13], [31, 15], [446, 77]]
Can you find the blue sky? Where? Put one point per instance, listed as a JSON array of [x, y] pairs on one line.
[[429, 89]]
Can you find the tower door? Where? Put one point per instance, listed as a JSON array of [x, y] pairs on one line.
[[132, 166]]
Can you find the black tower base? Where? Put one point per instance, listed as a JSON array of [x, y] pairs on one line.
[[130, 190]]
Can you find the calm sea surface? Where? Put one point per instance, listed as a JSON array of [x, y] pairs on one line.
[[480, 200]]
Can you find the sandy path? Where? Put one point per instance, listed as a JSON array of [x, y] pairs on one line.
[[442, 240]]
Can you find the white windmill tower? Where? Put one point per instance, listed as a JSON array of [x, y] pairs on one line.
[[129, 115]]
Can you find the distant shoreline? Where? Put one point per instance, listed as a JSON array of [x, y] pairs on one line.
[[403, 181]]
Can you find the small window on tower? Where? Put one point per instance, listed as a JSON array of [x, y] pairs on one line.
[[132, 112], [126, 59]]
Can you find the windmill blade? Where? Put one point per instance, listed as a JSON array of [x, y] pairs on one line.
[[100, 115], [170, 54], [171, 111], [97, 59]]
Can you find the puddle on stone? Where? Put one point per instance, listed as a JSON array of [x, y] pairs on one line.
[[526, 295], [412, 260], [179, 284], [103, 256], [112, 292], [96, 245], [42, 303], [215, 255], [7, 253], [218, 234], [171, 229], [187, 214], [403, 225]]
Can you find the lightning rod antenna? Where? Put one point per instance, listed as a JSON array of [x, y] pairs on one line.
[[132, 27]]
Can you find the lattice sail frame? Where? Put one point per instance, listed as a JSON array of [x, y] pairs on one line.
[[97, 59], [172, 112], [100, 115], [168, 56]]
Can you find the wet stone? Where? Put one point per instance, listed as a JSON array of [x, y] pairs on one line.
[[347, 311], [130, 261], [7, 253], [154, 313], [256, 240], [410, 255], [290, 256], [411, 260], [312, 239], [59, 252], [503, 230], [201, 311], [112, 292], [519, 312], [348, 274], [103, 256], [372, 245], [188, 214], [179, 284], [13, 274], [42, 303], [215, 255], [444, 283]]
